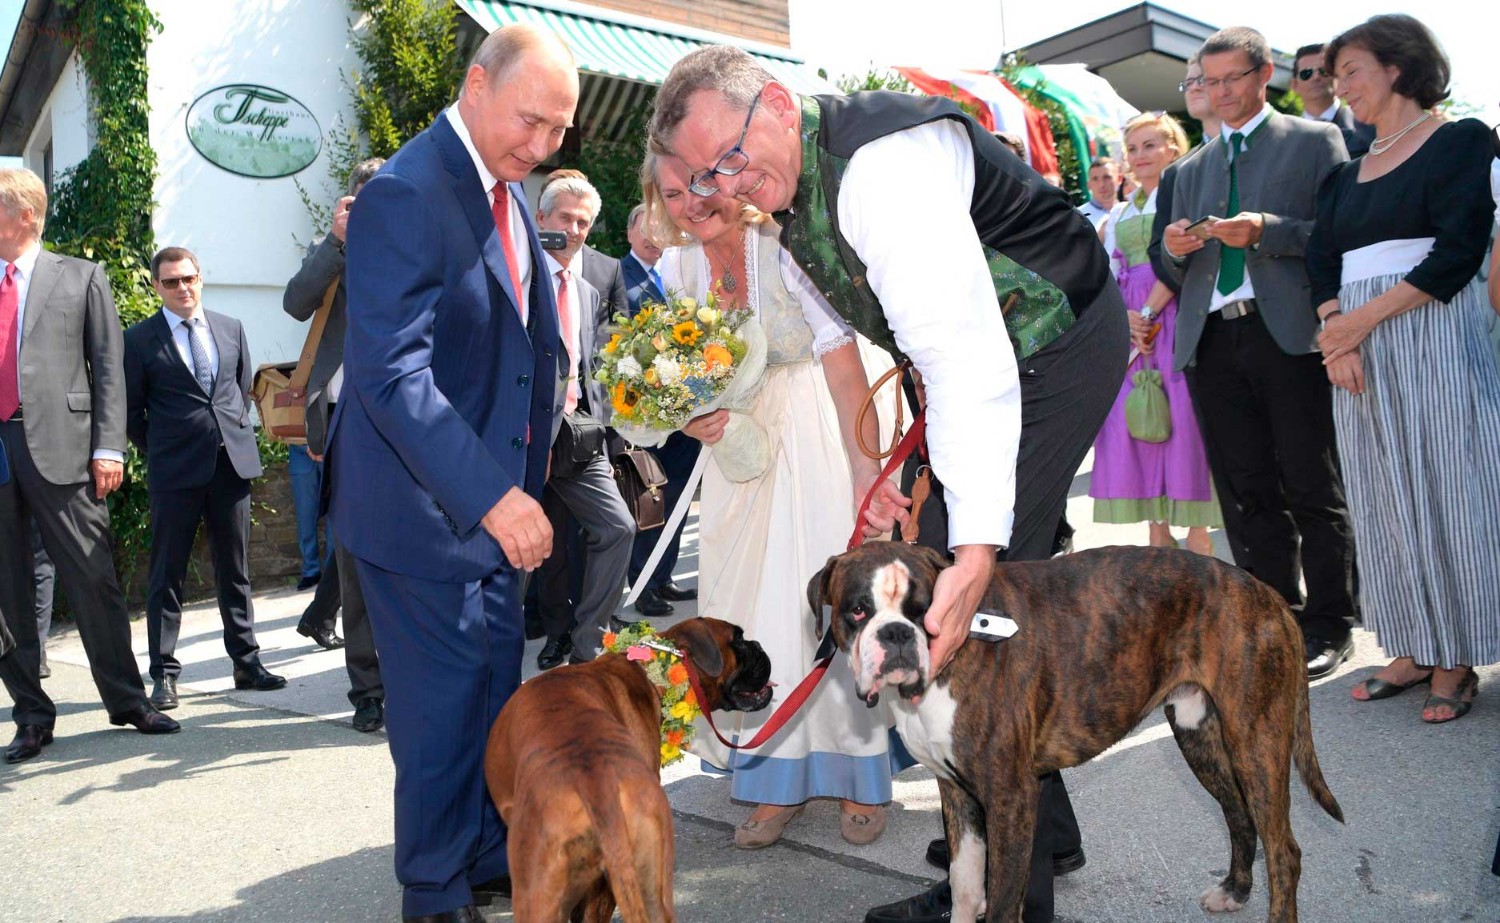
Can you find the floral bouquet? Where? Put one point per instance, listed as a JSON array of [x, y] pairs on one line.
[[675, 361]]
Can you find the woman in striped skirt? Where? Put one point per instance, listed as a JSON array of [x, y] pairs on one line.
[[1399, 238]]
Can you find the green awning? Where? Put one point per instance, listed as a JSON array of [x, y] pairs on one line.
[[612, 45]]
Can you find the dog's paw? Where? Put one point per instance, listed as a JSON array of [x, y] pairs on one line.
[[1218, 900]]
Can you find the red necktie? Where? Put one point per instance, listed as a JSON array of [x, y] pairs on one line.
[[501, 210], [565, 322], [10, 336]]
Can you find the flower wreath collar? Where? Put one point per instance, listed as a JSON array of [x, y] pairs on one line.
[[662, 663]]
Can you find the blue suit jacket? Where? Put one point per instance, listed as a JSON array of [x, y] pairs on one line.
[[638, 284], [448, 401]]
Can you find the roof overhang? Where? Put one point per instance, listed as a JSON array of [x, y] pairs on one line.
[[1141, 51], [38, 54]]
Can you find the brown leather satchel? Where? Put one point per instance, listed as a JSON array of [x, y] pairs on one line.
[[642, 483], [280, 388]]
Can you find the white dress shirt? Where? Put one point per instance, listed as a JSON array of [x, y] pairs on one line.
[[517, 221], [1246, 289], [25, 266], [178, 326], [904, 208], [1327, 116]]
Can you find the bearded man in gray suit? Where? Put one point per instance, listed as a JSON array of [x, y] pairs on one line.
[[62, 424], [1245, 328]]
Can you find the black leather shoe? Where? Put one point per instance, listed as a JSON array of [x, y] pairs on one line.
[[935, 905], [554, 652], [486, 893], [30, 739], [325, 638], [45, 669], [369, 714], [1066, 863], [307, 583], [164, 693], [466, 914], [1323, 657], [1063, 863], [258, 678], [673, 593], [147, 720], [617, 624], [652, 605]]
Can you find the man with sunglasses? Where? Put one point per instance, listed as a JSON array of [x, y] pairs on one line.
[[1316, 87], [917, 224], [187, 387], [1245, 329]]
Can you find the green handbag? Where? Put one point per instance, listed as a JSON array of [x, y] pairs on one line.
[[1147, 414]]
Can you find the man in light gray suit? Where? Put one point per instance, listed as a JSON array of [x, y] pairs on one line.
[[584, 489], [324, 266], [62, 424], [1245, 329]]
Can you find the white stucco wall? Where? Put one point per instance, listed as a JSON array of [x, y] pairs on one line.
[[63, 121], [245, 231]]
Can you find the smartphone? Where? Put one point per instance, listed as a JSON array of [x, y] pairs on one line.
[[1199, 228], [553, 240]]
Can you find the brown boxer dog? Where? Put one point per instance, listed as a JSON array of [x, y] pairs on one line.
[[574, 767], [1105, 636]]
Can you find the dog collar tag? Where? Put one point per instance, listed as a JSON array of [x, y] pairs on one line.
[[992, 626]]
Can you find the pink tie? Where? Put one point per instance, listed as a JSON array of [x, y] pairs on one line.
[[565, 321], [10, 335], [501, 211]]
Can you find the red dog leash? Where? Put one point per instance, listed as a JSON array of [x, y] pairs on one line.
[[787, 709]]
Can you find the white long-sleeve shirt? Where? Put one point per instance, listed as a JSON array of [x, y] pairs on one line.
[[904, 209]]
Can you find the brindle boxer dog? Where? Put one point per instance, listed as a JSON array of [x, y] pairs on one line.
[[1105, 636], [574, 767]]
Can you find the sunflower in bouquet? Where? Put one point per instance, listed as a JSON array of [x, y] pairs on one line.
[[665, 364]]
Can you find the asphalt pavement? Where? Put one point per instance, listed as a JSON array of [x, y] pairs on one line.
[[270, 807]]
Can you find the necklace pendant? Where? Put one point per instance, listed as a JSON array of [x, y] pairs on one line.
[[730, 282]]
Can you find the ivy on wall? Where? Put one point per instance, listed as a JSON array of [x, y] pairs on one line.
[[101, 208]]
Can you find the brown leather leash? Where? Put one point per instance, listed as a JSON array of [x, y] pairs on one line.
[[897, 455]]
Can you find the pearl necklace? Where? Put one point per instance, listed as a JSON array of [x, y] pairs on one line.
[[1381, 145]]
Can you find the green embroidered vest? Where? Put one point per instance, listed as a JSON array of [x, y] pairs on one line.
[[1039, 311]]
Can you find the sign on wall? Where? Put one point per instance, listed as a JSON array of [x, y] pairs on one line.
[[253, 130]]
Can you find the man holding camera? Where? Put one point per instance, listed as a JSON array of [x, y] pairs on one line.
[[324, 267], [581, 482]]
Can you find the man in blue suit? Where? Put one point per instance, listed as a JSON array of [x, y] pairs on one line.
[[639, 266], [438, 447], [677, 455]]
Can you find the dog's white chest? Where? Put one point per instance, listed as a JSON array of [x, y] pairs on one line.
[[927, 728]]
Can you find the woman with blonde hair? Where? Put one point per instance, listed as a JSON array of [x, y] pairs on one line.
[[1162, 483], [761, 540]]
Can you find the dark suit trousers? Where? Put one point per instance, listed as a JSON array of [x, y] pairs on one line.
[[1067, 389], [450, 653], [223, 506], [677, 455], [339, 589], [75, 531], [1267, 422]]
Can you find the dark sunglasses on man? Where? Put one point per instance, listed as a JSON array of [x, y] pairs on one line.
[[177, 281], [1306, 73]]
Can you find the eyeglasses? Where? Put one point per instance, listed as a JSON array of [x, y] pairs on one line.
[[730, 164], [1190, 83], [1306, 73], [1226, 81], [180, 281]]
